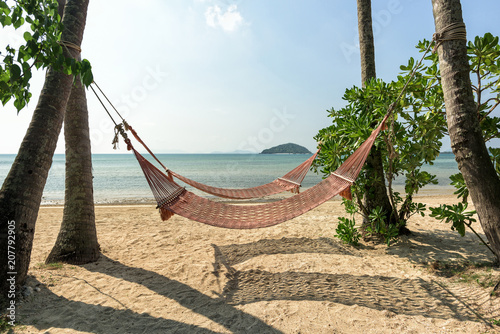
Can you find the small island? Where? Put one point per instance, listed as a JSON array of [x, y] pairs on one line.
[[289, 148]]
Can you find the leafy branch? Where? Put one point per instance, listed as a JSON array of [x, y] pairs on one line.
[[459, 218], [41, 49]]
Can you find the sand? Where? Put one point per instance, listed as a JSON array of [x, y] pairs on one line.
[[181, 276]]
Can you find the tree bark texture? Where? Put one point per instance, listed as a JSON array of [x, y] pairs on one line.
[[22, 190], [366, 42], [375, 191], [77, 239], [466, 138]]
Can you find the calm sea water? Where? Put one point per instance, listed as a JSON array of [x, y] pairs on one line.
[[119, 179]]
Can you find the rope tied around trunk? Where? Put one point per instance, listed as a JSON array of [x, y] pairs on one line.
[[70, 45], [449, 33]]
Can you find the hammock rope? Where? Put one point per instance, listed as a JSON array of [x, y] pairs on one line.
[[451, 32]]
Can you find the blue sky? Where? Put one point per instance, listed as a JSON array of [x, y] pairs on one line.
[[202, 76]]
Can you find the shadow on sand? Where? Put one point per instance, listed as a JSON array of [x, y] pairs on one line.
[[99, 319], [105, 320], [216, 310], [439, 245], [414, 297]]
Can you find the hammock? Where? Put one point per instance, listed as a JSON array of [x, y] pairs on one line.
[[288, 182], [174, 199]]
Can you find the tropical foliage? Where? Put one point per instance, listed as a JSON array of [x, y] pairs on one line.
[[413, 139], [41, 48], [484, 59], [416, 128]]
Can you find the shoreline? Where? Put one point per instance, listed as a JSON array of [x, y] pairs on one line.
[[429, 192]]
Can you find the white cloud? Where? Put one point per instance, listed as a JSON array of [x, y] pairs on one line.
[[230, 20]]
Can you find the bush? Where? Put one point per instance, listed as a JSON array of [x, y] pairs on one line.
[[347, 232]]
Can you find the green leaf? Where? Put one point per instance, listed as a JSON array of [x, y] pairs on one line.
[[19, 22], [27, 36], [460, 227], [19, 103], [6, 20], [87, 78], [15, 72]]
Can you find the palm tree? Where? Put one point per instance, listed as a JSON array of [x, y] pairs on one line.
[[467, 141], [375, 192], [22, 190], [77, 239]]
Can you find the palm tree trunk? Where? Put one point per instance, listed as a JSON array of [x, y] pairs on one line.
[[366, 41], [375, 191], [467, 142], [77, 239], [22, 190]]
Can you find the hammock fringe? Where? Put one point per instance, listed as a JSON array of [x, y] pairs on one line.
[[346, 193], [165, 213]]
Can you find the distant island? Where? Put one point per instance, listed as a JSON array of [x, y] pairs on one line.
[[289, 148]]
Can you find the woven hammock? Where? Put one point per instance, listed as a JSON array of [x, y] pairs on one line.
[[174, 199], [291, 181]]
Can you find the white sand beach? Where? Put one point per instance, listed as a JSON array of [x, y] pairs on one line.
[[181, 276]]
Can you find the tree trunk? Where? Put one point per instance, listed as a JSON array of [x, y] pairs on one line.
[[22, 190], [466, 138], [375, 191], [366, 42], [77, 239]]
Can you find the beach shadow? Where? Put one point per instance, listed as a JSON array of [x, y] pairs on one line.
[[402, 296], [423, 247], [56, 310], [230, 255], [216, 310], [413, 297]]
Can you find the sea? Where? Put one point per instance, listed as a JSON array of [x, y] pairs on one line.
[[118, 179]]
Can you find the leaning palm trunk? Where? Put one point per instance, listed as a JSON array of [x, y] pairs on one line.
[[22, 190], [77, 239], [467, 142]]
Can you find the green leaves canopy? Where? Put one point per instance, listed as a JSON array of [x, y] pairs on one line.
[[419, 121], [42, 48], [417, 127]]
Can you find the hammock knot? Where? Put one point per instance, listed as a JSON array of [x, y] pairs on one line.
[[120, 131], [70, 45], [126, 126], [129, 144], [450, 32]]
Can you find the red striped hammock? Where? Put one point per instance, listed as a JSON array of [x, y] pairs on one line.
[[174, 199]]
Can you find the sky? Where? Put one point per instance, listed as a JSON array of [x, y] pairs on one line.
[[204, 76]]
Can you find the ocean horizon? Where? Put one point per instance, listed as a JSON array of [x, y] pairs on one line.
[[118, 179]]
